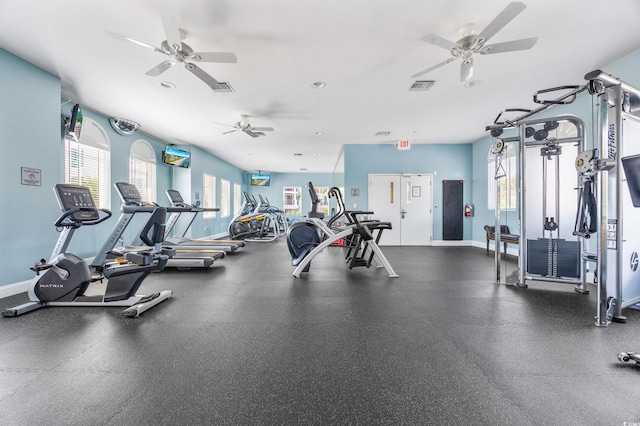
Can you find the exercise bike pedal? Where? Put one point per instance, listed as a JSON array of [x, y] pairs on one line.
[[42, 266], [97, 276]]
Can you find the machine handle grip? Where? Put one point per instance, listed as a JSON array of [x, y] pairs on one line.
[[64, 220], [562, 101]]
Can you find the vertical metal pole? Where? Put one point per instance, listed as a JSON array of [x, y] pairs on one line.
[[557, 218], [618, 197], [522, 258], [603, 214], [497, 234]]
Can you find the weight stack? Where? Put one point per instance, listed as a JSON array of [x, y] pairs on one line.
[[553, 258]]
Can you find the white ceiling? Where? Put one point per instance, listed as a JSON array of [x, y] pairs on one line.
[[364, 50]]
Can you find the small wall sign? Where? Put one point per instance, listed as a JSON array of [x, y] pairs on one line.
[[31, 176]]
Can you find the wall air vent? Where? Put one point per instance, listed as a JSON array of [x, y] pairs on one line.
[[223, 86], [421, 85], [383, 133]]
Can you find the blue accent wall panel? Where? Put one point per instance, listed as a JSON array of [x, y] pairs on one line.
[[446, 162]]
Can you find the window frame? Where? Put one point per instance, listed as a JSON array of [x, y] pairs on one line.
[[508, 192], [142, 156], [93, 144], [225, 198], [296, 193], [208, 195]]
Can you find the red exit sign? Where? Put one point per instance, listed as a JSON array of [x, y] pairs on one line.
[[404, 144]]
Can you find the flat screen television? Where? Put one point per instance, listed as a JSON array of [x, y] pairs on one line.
[[260, 180], [176, 157]]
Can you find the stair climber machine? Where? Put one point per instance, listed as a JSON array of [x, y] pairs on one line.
[[306, 239], [67, 280], [132, 204], [180, 241]]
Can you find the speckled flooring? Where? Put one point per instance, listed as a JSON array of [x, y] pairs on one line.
[[247, 343]]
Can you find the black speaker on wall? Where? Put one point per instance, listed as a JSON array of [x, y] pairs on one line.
[[452, 210]]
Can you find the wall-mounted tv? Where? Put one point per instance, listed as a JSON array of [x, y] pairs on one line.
[[260, 180], [176, 157]]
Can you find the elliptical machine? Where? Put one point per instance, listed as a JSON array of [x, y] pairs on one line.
[[65, 279]]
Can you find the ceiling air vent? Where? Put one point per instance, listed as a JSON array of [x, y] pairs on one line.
[[223, 86], [385, 133], [421, 85]]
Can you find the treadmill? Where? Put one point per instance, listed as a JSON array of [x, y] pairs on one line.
[[131, 204], [179, 240]]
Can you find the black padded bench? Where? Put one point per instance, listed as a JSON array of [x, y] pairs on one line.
[[506, 236]]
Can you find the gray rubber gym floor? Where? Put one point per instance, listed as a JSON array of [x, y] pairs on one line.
[[247, 343]]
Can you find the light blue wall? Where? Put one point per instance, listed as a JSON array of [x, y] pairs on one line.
[[274, 192], [30, 135], [193, 177], [446, 162]]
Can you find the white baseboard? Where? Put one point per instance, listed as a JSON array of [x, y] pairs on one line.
[[13, 289], [452, 243]]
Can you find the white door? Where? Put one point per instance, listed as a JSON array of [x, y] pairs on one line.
[[405, 201]]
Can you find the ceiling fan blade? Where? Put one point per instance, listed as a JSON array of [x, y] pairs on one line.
[[172, 31], [262, 129], [139, 43], [202, 75], [229, 131], [439, 41], [253, 134], [225, 57], [466, 69], [416, 75], [511, 11], [509, 46], [160, 68]]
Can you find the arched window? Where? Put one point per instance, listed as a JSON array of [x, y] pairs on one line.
[[142, 169], [87, 161]]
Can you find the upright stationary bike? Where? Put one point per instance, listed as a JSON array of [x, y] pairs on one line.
[[67, 280]]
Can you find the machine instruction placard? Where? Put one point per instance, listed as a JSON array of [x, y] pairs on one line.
[[612, 234]]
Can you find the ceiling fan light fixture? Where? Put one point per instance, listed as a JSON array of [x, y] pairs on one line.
[[167, 85], [466, 30]]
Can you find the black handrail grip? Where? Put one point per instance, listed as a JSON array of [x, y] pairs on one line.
[[562, 101]]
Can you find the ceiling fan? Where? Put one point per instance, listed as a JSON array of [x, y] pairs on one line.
[[244, 126], [179, 52], [470, 43]]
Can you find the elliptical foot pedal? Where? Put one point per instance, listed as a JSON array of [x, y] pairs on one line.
[[149, 298]]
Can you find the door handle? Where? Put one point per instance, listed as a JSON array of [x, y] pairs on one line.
[[403, 212]]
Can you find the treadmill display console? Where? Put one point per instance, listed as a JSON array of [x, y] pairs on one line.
[[174, 197], [72, 197], [128, 193]]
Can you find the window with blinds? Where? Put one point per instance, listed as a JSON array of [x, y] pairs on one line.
[[323, 199], [87, 161], [209, 195], [508, 169], [142, 169], [237, 198], [291, 197], [225, 198]]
